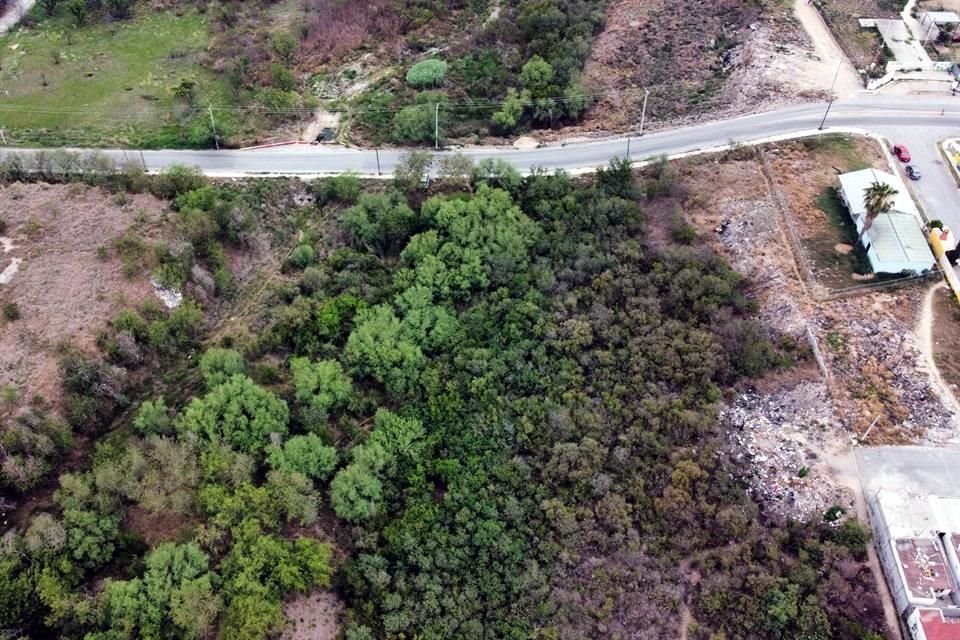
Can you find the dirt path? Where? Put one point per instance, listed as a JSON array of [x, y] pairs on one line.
[[18, 9], [924, 333], [831, 55]]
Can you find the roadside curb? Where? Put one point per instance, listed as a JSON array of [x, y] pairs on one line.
[[948, 159]]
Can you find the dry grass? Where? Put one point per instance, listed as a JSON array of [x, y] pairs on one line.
[[67, 287], [806, 172], [946, 328]]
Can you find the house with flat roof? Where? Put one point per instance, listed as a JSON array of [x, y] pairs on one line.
[[917, 537], [895, 242]]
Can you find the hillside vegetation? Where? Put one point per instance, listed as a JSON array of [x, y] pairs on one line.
[[488, 411]]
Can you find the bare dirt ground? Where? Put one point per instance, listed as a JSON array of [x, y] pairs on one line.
[[794, 429], [313, 617], [64, 290]]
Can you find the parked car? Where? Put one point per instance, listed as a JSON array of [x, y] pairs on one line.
[[912, 172], [901, 152]]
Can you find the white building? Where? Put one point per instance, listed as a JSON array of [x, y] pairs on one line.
[[917, 539], [895, 242]]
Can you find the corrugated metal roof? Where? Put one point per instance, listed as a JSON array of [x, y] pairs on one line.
[[856, 182], [896, 236]]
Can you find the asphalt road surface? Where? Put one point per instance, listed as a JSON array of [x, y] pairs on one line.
[[917, 121]]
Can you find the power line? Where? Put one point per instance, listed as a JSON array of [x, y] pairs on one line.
[[465, 105]]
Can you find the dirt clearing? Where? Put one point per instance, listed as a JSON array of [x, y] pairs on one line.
[[69, 281]]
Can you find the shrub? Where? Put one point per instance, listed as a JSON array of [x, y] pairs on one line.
[[11, 311], [303, 256], [219, 365], [429, 73], [153, 418], [177, 179]]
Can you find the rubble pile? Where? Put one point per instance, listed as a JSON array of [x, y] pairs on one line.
[[781, 439], [751, 237], [873, 354]]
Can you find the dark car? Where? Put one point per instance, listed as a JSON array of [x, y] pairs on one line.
[[902, 153], [912, 172]]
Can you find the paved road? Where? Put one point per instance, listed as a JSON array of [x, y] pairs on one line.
[[918, 121]]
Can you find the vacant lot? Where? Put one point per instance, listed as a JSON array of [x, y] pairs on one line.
[[864, 47], [105, 83], [69, 280], [806, 173]]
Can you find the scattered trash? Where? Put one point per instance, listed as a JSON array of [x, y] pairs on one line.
[[171, 298]]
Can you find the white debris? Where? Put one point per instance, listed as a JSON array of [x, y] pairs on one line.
[[7, 274], [171, 298], [7, 244]]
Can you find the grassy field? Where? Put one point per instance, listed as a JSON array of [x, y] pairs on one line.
[[106, 84]]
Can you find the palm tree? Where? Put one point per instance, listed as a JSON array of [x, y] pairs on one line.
[[877, 199]]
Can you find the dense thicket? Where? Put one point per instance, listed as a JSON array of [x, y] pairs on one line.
[[508, 400]]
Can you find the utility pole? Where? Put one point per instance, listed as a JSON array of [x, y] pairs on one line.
[[3, 137], [628, 148], [213, 123], [643, 113], [377, 151], [143, 160], [832, 95], [436, 128]]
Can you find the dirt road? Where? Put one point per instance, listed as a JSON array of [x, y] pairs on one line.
[[820, 73]]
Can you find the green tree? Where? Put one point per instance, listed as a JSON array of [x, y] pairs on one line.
[[79, 10], [382, 221], [90, 536], [424, 121], [320, 387], [356, 492], [305, 454], [877, 199], [377, 348], [153, 418], [510, 115], [49, 6], [238, 413], [219, 365], [157, 606], [412, 171], [536, 76]]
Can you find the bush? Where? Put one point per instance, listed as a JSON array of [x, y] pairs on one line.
[[346, 189], [11, 311], [178, 179], [219, 365], [429, 73], [303, 256]]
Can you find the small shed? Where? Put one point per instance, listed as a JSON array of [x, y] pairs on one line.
[[895, 242]]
